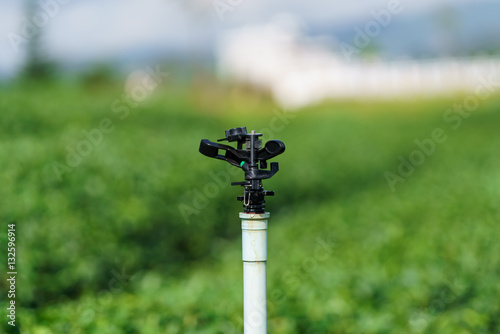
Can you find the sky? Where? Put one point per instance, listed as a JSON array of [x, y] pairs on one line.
[[78, 31]]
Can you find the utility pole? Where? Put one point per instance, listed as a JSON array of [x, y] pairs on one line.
[[36, 66], [252, 158]]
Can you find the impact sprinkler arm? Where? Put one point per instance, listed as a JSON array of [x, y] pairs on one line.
[[253, 161]]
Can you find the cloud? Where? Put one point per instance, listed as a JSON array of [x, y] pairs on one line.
[[106, 29], [10, 15]]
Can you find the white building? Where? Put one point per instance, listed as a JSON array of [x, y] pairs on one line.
[[297, 73]]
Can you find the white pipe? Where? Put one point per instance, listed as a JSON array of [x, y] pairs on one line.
[[254, 250]]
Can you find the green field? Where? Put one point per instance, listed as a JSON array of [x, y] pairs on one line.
[[131, 237]]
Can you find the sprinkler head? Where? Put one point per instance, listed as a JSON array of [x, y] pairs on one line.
[[251, 157]]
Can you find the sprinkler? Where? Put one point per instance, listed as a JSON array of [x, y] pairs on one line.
[[251, 157]]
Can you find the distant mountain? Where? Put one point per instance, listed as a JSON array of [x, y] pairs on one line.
[[455, 30]]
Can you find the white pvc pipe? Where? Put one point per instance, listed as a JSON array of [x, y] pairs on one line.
[[254, 250]]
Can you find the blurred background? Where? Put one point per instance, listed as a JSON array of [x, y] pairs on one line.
[[384, 219]]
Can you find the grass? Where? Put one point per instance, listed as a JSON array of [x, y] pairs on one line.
[[106, 249]]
